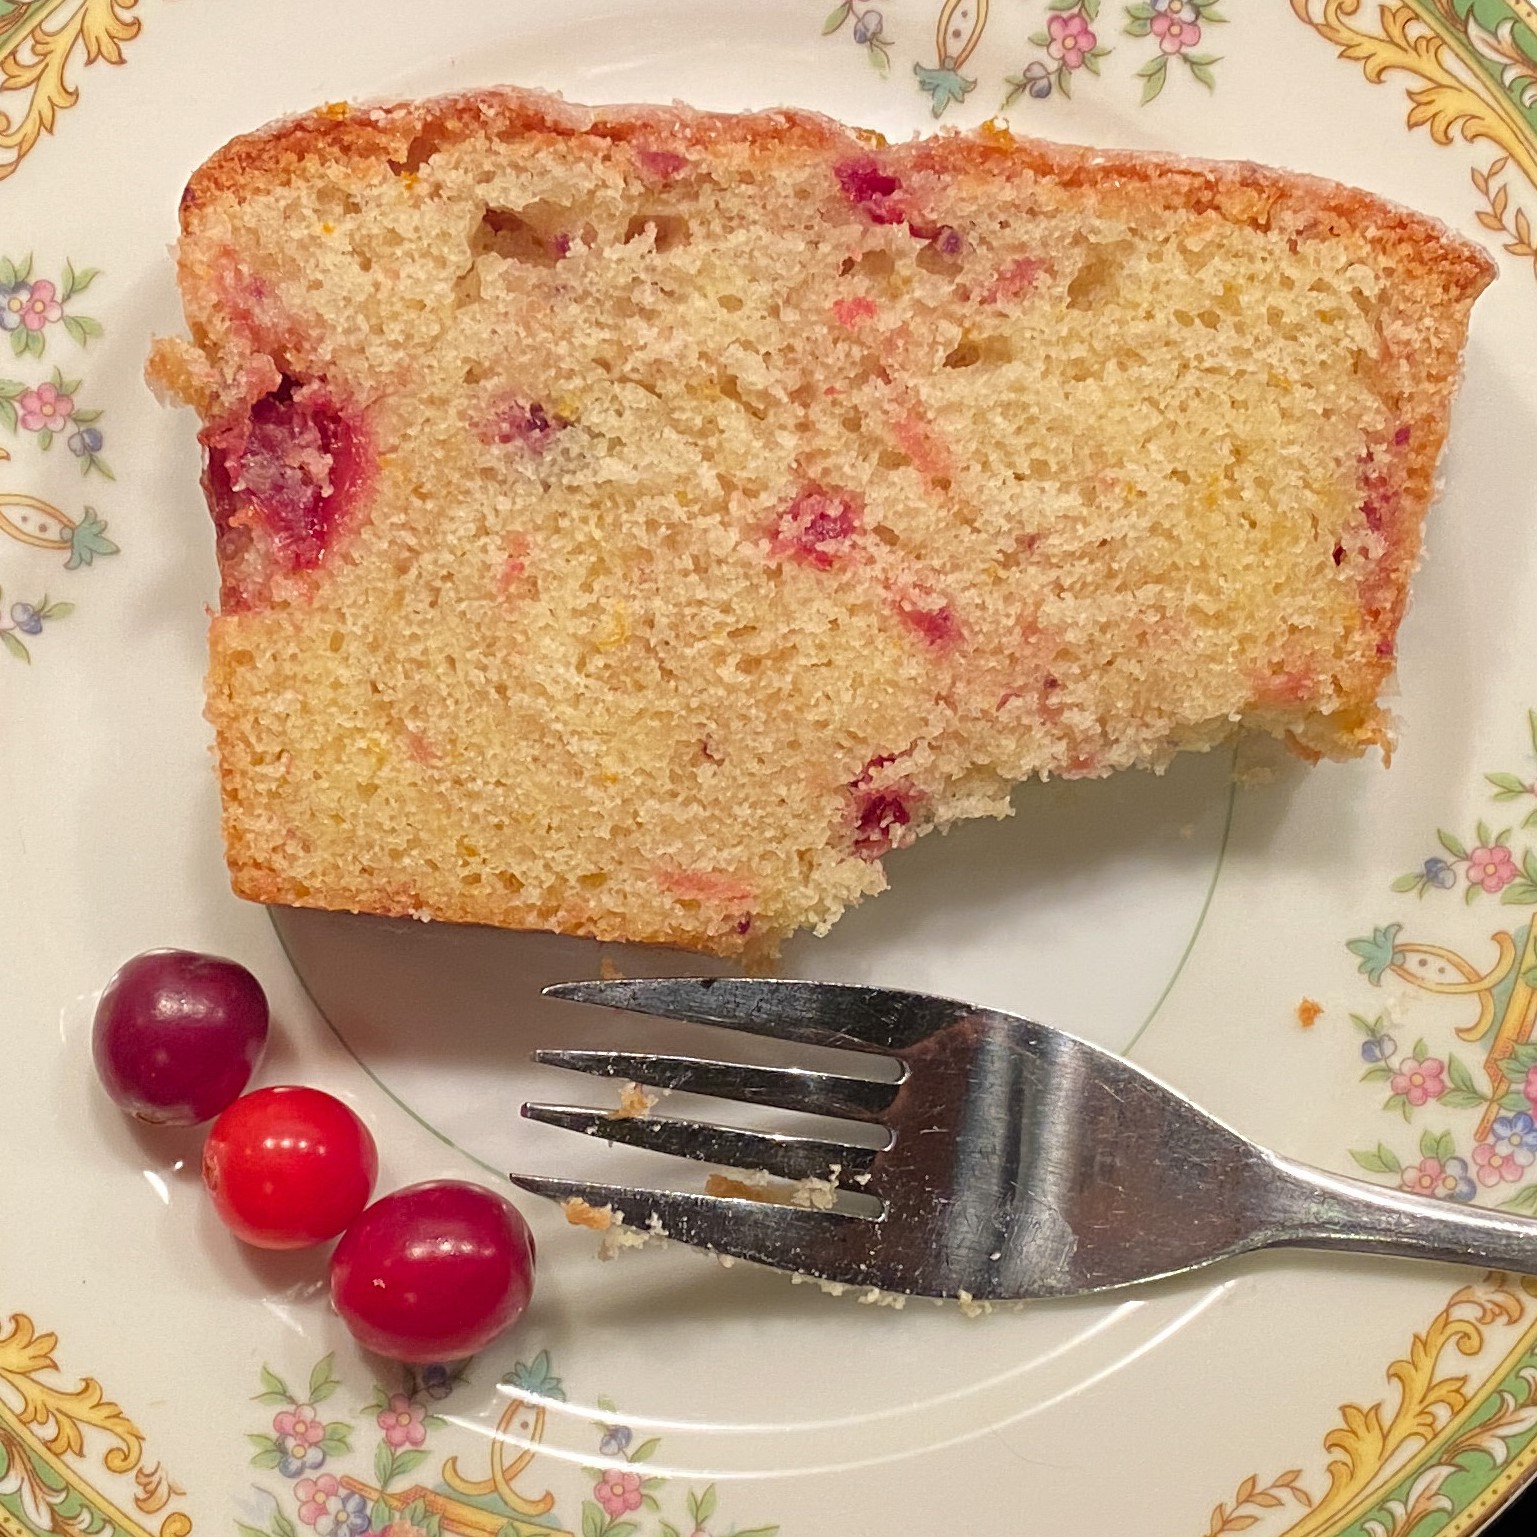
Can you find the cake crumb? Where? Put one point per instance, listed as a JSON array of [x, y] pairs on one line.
[[580, 1213], [971, 1307], [609, 970], [1308, 1012], [634, 1100], [749, 1189]]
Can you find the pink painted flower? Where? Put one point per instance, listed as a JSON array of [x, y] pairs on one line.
[[1420, 1079], [1491, 867], [1447, 1180], [300, 1423], [45, 409], [1423, 1178], [1175, 26], [41, 306], [312, 1494], [1529, 1088], [618, 1492], [401, 1422], [1071, 39], [1495, 1164]]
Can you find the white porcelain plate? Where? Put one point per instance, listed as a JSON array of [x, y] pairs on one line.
[[1340, 961]]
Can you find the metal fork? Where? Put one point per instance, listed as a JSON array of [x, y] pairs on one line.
[[1019, 1161]]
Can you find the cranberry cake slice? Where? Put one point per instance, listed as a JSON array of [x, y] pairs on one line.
[[636, 522]]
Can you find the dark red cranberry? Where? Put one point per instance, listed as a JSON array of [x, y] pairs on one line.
[[879, 817], [934, 620], [661, 164], [529, 424], [290, 467], [817, 526], [866, 185]]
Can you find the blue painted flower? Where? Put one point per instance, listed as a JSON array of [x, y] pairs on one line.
[[1456, 1181], [1378, 1048], [13, 304], [868, 27], [437, 1381], [616, 1440], [26, 619], [1439, 873], [87, 441], [298, 1456], [1516, 1135]]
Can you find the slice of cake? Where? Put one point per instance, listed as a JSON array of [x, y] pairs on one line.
[[635, 522]]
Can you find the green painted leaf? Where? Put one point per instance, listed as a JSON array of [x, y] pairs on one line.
[[1420, 1051], [1445, 1147], [1400, 1103], [706, 1504], [98, 464], [7, 271], [35, 343], [1202, 72], [1409, 882], [1091, 9], [1376, 1073], [1140, 12], [415, 1512], [14, 645], [1507, 786], [1457, 1071], [1138, 27], [1091, 62], [645, 1451], [270, 1379], [267, 1459], [1515, 1100], [1451, 844], [1040, 39], [1463, 1099], [1529, 865], [1485, 837], [405, 1462], [1379, 1160], [282, 1526], [1529, 976], [667, 1529], [593, 1519], [1523, 1200], [1209, 12], [262, 1443], [622, 1529], [1065, 81], [384, 1466], [1427, 1144], [83, 280], [1202, 58], [85, 418], [1519, 893], [1378, 953], [7, 414], [1471, 895], [754, 1531], [249, 1531], [19, 342], [90, 328], [67, 386], [323, 1382], [260, 1398], [380, 1515], [24, 271], [836, 17], [1524, 1056]]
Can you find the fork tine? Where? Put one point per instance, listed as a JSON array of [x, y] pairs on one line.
[[785, 1237], [783, 1088], [788, 1156], [873, 1019]]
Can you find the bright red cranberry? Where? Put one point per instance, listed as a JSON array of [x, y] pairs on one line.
[[433, 1272], [931, 618], [288, 1167], [817, 526]]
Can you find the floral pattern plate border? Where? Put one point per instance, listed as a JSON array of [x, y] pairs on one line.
[[1438, 1457]]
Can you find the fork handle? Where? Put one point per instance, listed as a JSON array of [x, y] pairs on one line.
[[1317, 1210]]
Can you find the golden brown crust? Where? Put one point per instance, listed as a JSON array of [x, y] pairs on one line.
[[1239, 191]]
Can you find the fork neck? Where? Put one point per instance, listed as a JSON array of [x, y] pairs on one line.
[[1313, 1209]]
